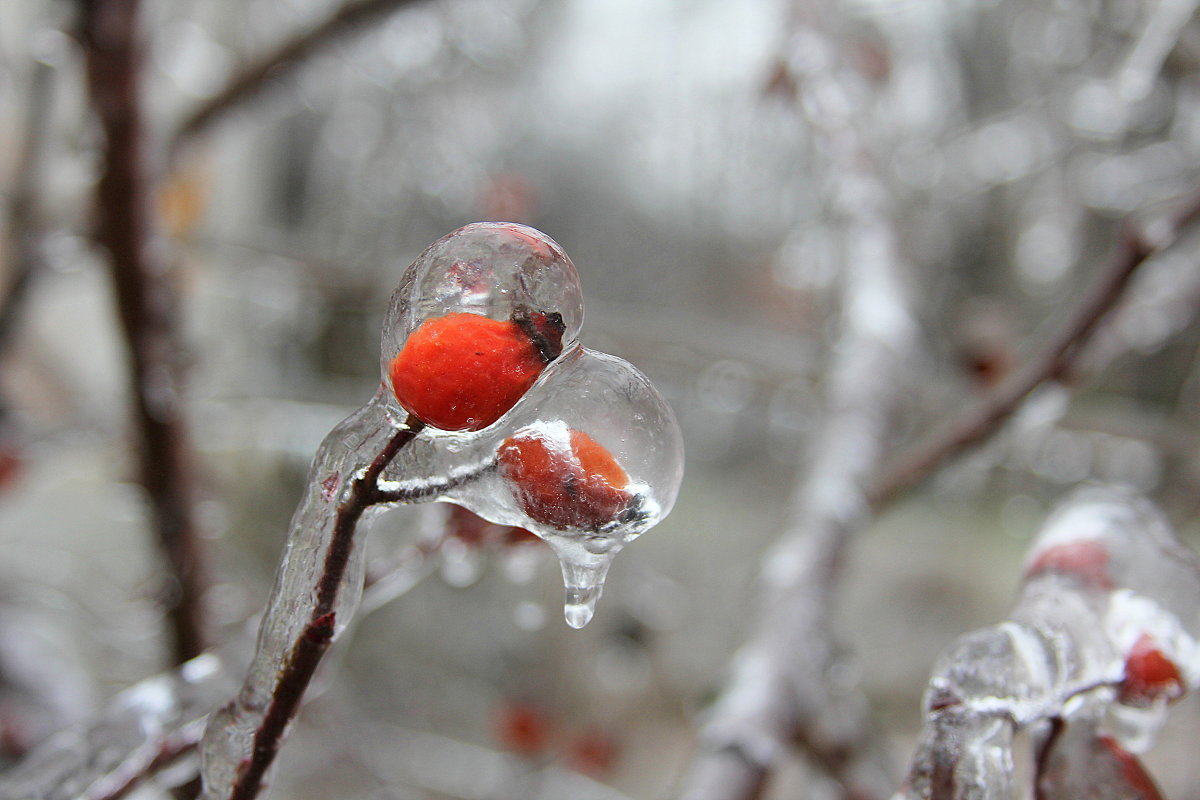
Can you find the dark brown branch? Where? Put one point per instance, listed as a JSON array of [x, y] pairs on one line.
[[127, 229], [280, 63], [1057, 360], [307, 652]]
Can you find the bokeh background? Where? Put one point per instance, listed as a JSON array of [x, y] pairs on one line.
[[674, 148]]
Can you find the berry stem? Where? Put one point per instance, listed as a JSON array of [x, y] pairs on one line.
[[417, 492], [315, 638]]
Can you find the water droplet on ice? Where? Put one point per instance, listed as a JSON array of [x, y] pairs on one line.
[[581, 604]]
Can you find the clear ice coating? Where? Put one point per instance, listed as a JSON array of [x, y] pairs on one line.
[[494, 269], [588, 456], [1101, 639]]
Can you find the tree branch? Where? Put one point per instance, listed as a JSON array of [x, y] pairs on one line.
[[1056, 361], [281, 63], [780, 697], [296, 673], [127, 229]]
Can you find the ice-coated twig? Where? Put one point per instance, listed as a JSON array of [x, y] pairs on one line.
[[415, 491], [277, 64], [142, 730], [1145, 59], [781, 694], [1056, 361], [244, 737], [127, 228], [158, 722], [1101, 638]]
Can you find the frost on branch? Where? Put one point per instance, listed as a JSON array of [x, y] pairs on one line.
[[1101, 639], [144, 728], [487, 400]]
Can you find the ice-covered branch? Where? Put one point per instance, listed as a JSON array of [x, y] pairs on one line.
[[1055, 361], [1100, 640], [143, 729], [277, 64], [1144, 61], [299, 625], [127, 229], [780, 694]]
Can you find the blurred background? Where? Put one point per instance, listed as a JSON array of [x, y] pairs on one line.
[[688, 160]]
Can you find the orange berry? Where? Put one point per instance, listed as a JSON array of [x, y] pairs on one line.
[[462, 372], [1149, 675], [564, 483]]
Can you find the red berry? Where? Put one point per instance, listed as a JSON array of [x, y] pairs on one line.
[[1149, 675], [593, 753], [523, 728], [1086, 560], [462, 372], [564, 482]]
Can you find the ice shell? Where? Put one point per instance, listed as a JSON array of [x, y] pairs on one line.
[[617, 408], [497, 269]]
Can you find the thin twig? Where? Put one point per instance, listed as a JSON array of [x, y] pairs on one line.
[[280, 63], [308, 650], [421, 491], [127, 228], [175, 746], [1057, 360]]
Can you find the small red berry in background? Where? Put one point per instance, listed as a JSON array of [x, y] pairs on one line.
[[473, 530], [1086, 560], [594, 753], [522, 729], [462, 372], [12, 465], [1149, 675], [568, 482]]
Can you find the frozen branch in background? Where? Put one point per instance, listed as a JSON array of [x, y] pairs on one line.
[[1144, 61], [278, 64], [25, 226], [782, 693], [127, 229], [1101, 639], [156, 724], [1056, 361], [144, 729]]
